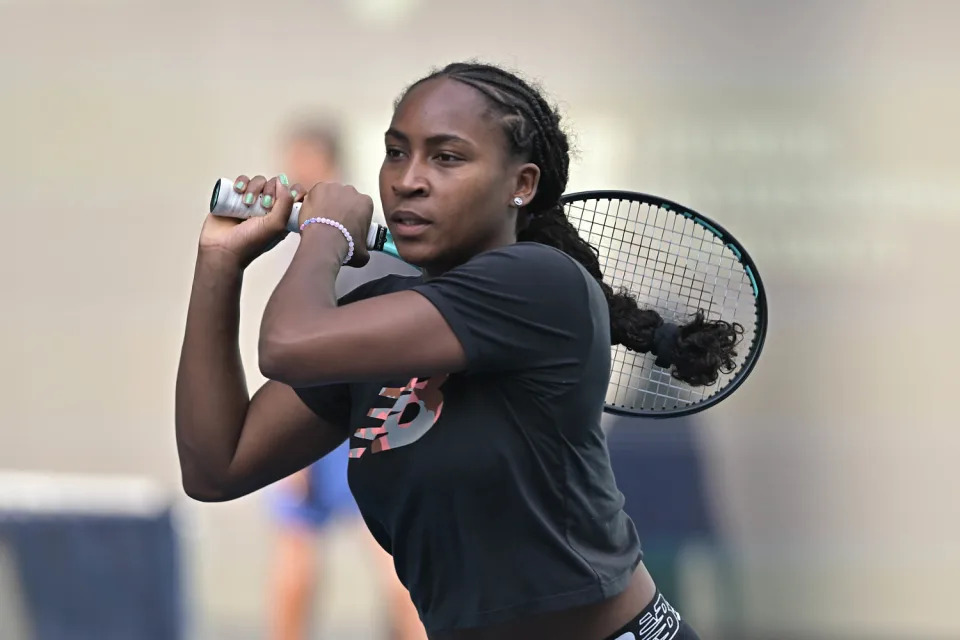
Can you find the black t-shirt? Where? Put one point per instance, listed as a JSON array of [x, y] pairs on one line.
[[492, 487]]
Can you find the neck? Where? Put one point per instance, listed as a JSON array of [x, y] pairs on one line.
[[436, 269]]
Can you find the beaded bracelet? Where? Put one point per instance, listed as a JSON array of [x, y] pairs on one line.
[[333, 223]]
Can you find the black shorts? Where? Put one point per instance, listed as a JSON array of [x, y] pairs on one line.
[[658, 621]]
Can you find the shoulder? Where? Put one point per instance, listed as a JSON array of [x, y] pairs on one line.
[[527, 271], [525, 281], [380, 286], [522, 306], [530, 254], [527, 263]]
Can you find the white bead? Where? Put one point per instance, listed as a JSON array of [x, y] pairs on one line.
[[343, 230]]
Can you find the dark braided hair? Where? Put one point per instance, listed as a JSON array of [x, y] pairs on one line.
[[697, 351]]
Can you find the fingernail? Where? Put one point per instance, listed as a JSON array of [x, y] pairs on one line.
[[283, 180], [239, 185], [248, 199], [293, 194], [267, 202]]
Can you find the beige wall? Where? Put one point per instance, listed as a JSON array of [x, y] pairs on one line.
[[823, 134]]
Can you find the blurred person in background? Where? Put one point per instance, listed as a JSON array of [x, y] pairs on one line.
[[305, 503]]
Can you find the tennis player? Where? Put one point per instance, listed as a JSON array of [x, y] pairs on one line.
[[471, 395]]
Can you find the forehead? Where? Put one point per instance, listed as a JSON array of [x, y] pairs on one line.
[[445, 106]]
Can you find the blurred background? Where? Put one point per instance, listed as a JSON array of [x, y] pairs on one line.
[[822, 499]]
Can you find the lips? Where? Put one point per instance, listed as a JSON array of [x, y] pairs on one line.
[[408, 225], [408, 218]]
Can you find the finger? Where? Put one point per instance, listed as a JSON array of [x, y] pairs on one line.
[[240, 184], [278, 203], [254, 188], [268, 195], [297, 192]]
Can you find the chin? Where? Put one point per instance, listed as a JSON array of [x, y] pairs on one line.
[[417, 254]]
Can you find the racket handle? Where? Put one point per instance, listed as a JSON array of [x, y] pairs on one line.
[[225, 201]]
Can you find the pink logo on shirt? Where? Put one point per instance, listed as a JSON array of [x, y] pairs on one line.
[[416, 408]]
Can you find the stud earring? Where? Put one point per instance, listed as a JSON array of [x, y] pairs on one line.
[[518, 201]]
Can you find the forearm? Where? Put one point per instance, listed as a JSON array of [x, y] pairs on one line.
[[305, 293], [211, 392]]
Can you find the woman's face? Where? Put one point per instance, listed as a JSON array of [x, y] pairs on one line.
[[447, 182]]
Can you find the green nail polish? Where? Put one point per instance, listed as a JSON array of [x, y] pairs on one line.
[[248, 199], [293, 194], [240, 184], [283, 180], [267, 202]]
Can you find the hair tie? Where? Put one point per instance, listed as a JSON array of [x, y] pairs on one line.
[[665, 344]]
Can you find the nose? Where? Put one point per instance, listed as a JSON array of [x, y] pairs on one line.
[[411, 182]]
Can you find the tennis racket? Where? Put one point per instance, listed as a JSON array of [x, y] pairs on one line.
[[670, 258], [225, 201], [676, 262]]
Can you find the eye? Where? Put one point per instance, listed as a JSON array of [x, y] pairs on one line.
[[393, 153], [448, 158]]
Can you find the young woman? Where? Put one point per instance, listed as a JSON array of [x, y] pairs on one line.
[[471, 396]]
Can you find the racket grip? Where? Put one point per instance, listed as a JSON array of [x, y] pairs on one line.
[[225, 201]]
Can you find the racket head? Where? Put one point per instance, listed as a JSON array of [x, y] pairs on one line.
[[675, 261]]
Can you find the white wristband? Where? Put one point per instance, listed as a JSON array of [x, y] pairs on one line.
[[333, 223]]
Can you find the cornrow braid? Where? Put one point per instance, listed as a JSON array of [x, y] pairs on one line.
[[699, 350], [532, 126]]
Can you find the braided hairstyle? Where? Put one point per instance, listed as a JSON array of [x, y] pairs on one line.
[[700, 349]]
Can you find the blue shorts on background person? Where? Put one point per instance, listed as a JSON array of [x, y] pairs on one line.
[[326, 498]]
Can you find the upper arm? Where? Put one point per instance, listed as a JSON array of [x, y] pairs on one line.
[[518, 307], [280, 436]]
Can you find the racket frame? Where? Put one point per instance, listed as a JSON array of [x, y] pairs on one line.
[[750, 268]]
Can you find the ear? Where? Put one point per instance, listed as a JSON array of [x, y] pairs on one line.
[[526, 182]]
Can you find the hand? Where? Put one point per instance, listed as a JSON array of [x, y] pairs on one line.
[[246, 240], [345, 205]]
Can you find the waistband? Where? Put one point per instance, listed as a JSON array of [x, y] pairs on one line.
[[657, 621]]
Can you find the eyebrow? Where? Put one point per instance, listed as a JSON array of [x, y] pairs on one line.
[[434, 140]]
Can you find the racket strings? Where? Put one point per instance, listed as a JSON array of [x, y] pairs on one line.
[[672, 264]]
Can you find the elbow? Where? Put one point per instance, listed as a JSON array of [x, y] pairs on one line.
[[206, 493], [204, 489], [298, 355], [272, 351], [279, 361], [203, 494], [274, 363]]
